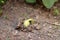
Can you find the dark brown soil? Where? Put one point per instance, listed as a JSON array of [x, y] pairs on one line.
[[48, 25]]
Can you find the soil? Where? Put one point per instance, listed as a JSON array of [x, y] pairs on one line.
[[47, 25]]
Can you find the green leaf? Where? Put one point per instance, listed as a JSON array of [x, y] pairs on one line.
[[48, 3], [31, 1]]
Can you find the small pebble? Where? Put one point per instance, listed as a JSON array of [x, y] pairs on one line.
[[50, 27], [15, 32], [38, 27]]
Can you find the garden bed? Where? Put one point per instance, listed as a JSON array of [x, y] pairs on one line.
[[48, 26]]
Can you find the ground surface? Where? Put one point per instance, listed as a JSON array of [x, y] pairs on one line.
[[49, 25]]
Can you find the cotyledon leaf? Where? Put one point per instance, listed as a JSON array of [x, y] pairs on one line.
[[28, 22]]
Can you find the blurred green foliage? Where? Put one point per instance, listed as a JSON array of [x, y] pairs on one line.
[[56, 12], [31, 1], [2, 2]]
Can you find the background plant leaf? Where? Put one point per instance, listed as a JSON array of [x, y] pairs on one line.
[[48, 3], [31, 1]]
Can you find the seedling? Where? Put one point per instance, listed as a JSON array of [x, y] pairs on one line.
[[28, 22]]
